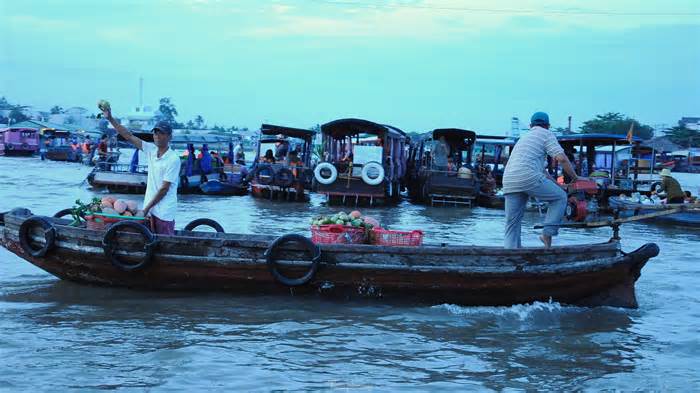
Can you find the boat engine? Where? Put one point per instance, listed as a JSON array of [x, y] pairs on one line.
[[576, 209]]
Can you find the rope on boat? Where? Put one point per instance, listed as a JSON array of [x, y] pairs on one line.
[[110, 249], [312, 249], [25, 233]]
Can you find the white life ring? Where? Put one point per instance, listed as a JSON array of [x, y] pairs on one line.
[[325, 180], [373, 166]]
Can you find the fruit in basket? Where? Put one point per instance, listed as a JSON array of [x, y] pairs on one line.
[[132, 206], [371, 221], [105, 205], [108, 199], [127, 214], [120, 206], [356, 222], [109, 210], [355, 214]]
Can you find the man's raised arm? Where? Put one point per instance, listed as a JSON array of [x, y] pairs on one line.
[[126, 134]]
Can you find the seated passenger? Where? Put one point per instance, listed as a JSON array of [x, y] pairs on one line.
[[269, 157]]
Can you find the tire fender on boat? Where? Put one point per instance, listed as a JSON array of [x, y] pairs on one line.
[[319, 176], [109, 247], [204, 222], [63, 213], [265, 179], [284, 177], [25, 233], [373, 165], [314, 253]]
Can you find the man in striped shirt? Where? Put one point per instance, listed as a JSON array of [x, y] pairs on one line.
[[525, 177]]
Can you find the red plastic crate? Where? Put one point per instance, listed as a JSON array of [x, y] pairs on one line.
[[386, 237], [338, 234]]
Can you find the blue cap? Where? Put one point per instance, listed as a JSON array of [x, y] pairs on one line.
[[539, 119], [163, 126]]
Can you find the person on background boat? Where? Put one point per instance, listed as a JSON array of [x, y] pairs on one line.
[[439, 154], [238, 155], [160, 201], [45, 148], [103, 148], [525, 177], [269, 157], [671, 187], [87, 145], [281, 148], [689, 198]]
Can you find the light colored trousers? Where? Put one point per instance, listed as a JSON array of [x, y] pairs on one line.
[[546, 191]]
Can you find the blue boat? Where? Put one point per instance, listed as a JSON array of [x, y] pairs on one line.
[[232, 182], [690, 216]]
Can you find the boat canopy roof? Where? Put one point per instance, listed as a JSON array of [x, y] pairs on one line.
[[182, 139], [349, 127], [23, 129], [495, 140], [453, 136], [597, 138], [269, 129]]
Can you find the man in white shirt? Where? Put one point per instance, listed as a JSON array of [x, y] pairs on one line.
[[160, 201], [525, 176]]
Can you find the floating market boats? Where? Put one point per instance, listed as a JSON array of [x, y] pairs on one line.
[[18, 141], [282, 165], [362, 162], [688, 213], [585, 274], [454, 183]]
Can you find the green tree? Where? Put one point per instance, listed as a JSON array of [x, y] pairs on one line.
[[616, 123], [56, 110], [167, 110], [684, 137], [190, 124], [16, 115], [199, 121], [4, 104]]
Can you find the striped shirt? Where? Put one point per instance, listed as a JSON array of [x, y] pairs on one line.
[[526, 164]]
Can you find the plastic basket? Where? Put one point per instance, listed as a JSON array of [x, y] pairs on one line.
[[338, 234], [386, 237], [99, 221]]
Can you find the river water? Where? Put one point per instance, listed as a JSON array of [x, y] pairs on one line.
[[59, 336]]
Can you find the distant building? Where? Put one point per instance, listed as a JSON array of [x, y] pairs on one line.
[[691, 123], [143, 118]]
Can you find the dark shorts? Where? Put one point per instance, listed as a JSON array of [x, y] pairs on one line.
[[163, 227]]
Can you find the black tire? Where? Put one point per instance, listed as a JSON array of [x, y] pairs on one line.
[[284, 177], [264, 174], [65, 212], [314, 253], [204, 222], [110, 250], [571, 210], [654, 185], [49, 236]]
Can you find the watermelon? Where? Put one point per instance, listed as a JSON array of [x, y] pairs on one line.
[[120, 206], [132, 206]]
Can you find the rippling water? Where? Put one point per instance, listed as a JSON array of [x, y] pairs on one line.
[[58, 335]]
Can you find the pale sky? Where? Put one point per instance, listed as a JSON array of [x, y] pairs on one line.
[[416, 64]]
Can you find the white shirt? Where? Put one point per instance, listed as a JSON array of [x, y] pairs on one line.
[[525, 168], [165, 168]]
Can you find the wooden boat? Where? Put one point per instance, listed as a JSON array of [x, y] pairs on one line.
[[456, 182], [58, 145], [688, 214], [231, 182], [132, 178], [490, 157], [588, 274], [16, 141], [281, 179], [364, 163]]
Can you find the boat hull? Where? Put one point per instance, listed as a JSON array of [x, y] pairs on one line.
[[627, 208], [589, 275]]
